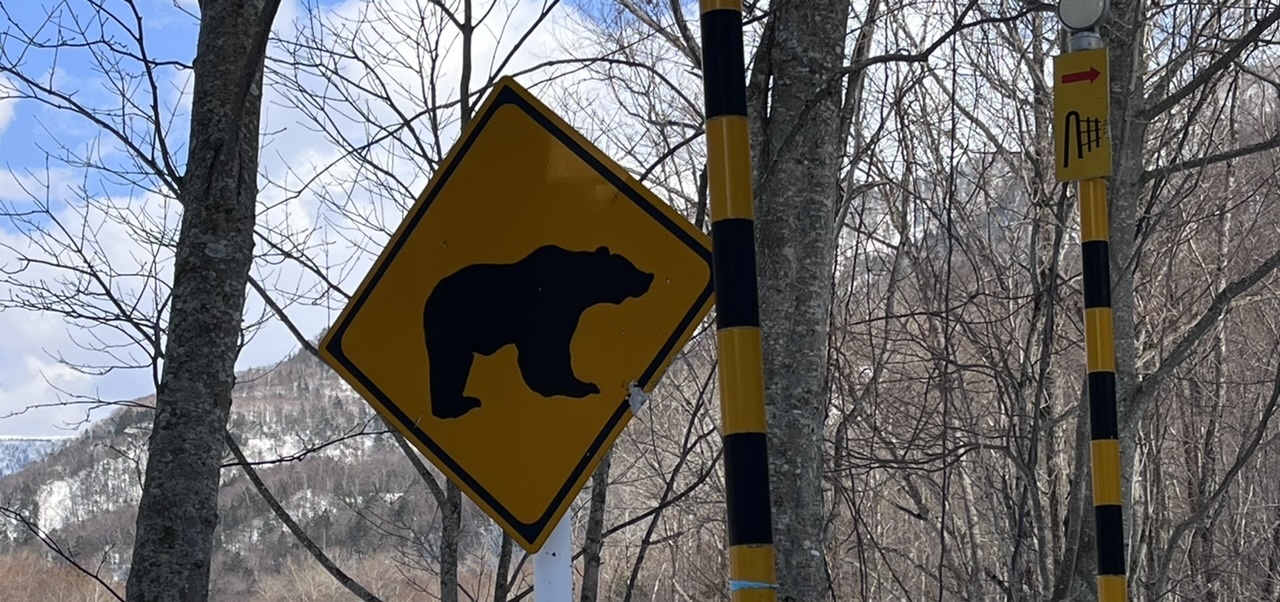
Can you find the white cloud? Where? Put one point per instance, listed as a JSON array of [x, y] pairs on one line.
[[34, 380], [39, 395], [39, 347]]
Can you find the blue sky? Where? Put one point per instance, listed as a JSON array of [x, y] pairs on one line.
[[29, 370], [31, 343]]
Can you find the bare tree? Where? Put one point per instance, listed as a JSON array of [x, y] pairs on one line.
[[919, 271], [217, 189], [218, 192]]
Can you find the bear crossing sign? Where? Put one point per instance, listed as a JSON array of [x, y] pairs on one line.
[[532, 284]]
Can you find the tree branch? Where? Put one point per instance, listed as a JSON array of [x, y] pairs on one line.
[[1202, 162], [352, 586], [1155, 109], [1217, 308], [1243, 456], [53, 546]]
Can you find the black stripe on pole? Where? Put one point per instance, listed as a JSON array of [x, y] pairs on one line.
[[1097, 273], [722, 61], [1102, 414], [737, 300], [747, 489], [1110, 529]]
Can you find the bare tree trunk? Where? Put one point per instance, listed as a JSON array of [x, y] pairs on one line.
[[595, 533], [451, 513], [1073, 578], [1128, 141], [1127, 64], [1273, 558], [1201, 555], [450, 534], [501, 580], [177, 513], [798, 173], [449, 501]]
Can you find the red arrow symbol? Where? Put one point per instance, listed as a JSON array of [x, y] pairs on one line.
[[1081, 76]]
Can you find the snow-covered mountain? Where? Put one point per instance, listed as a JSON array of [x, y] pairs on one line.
[[17, 452], [318, 447]]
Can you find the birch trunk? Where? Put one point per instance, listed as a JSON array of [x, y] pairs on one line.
[[595, 533]]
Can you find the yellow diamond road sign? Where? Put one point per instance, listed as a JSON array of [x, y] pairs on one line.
[[528, 288], [1081, 105]]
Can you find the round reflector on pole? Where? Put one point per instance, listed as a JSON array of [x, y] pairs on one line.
[[1081, 14]]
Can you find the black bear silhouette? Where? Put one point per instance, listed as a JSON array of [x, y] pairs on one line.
[[534, 304]]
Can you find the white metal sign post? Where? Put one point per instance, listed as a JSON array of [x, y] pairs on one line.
[[553, 564]]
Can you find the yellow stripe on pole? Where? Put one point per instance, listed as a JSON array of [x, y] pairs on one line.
[[741, 381], [753, 570], [1112, 588], [1106, 472], [729, 167], [710, 5], [1099, 339], [1093, 210]]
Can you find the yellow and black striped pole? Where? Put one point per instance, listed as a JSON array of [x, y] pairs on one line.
[[1082, 148], [746, 456], [1100, 355]]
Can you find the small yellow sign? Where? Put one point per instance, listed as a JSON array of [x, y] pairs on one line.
[[531, 285], [1081, 108]]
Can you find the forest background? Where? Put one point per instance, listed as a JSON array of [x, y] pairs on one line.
[[920, 291]]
